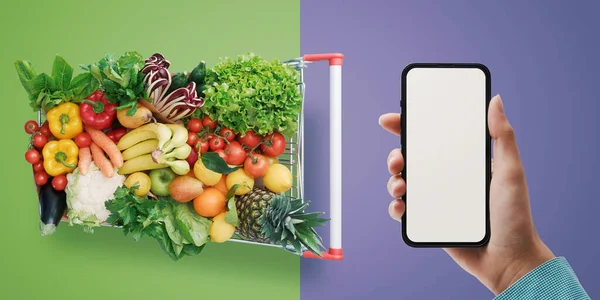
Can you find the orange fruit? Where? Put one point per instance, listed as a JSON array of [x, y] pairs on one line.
[[210, 203], [222, 186]]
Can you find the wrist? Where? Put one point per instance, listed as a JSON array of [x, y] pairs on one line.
[[519, 267]]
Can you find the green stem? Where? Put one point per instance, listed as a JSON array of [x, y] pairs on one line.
[[61, 157], [64, 119], [97, 106]]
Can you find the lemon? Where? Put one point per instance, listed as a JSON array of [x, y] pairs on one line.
[[142, 180], [220, 230], [278, 178], [202, 173], [239, 176]]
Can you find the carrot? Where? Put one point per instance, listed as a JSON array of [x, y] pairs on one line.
[[85, 159], [101, 161], [106, 144]]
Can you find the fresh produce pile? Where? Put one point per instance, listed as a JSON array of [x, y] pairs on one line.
[[186, 158]]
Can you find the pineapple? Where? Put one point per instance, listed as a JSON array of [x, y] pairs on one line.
[[268, 217]]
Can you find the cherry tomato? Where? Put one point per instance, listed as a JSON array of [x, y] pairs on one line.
[[222, 154], [32, 156], [273, 144], [83, 140], [118, 133], [192, 138], [111, 136], [45, 129], [208, 122], [195, 125], [39, 140], [216, 143], [256, 165], [201, 146], [235, 154], [40, 178], [31, 126], [227, 133], [59, 182], [38, 167], [249, 139]]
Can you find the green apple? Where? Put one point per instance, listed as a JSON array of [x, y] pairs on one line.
[[161, 178]]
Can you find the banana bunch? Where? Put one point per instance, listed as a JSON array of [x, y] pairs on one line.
[[155, 146]]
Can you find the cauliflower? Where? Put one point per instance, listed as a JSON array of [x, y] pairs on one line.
[[86, 195]]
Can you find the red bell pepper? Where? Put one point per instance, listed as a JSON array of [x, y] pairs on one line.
[[97, 112]]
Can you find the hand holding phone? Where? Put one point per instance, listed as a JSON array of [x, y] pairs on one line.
[[515, 248]]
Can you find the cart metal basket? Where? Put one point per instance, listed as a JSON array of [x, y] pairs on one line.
[[293, 157]]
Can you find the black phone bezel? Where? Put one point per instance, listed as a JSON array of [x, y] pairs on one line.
[[488, 88]]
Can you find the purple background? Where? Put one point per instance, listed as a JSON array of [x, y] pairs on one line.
[[544, 59]]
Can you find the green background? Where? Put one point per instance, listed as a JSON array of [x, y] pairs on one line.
[[108, 265]]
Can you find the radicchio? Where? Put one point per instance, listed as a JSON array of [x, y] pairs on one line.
[[180, 103]]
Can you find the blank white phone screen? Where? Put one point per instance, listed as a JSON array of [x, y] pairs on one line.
[[446, 155]]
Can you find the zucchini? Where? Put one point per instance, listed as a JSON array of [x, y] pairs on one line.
[[53, 204], [178, 80], [198, 74]]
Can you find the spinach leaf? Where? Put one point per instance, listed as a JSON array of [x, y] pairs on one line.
[[62, 73]]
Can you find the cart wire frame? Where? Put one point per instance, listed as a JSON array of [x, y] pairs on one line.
[[294, 155]]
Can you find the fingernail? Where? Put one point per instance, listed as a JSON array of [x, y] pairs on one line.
[[500, 104], [380, 117]]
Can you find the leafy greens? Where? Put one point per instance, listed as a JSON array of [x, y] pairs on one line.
[[251, 93], [178, 231], [121, 79], [46, 91]]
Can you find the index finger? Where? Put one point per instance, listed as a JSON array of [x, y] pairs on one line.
[[390, 122]]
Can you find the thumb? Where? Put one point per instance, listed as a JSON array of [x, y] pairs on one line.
[[506, 152]]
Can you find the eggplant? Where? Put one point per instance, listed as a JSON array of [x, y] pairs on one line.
[[198, 74], [53, 204]]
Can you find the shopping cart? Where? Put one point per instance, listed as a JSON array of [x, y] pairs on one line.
[[293, 156]]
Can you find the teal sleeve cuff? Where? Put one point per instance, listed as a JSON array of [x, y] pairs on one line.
[[553, 279]]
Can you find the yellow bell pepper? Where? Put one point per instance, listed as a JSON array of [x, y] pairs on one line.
[[64, 120], [60, 157]]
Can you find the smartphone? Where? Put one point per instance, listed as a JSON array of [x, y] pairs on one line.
[[447, 154]]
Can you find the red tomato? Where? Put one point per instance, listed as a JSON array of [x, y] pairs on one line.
[[59, 182], [235, 154], [39, 140], [216, 143], [222, 154], [111, 136], [32, 156], [40, 178], [31, 126], [273, 144], [195, 125], [118, 133], [227, 133], [45, 129], [256, 166], [201, 146], [83, 140], [208, 122], [192, 138], [249, 139], [38, 167]]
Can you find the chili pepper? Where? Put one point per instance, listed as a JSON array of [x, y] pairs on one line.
[[60, 157], [97, 112], [64, 120]]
